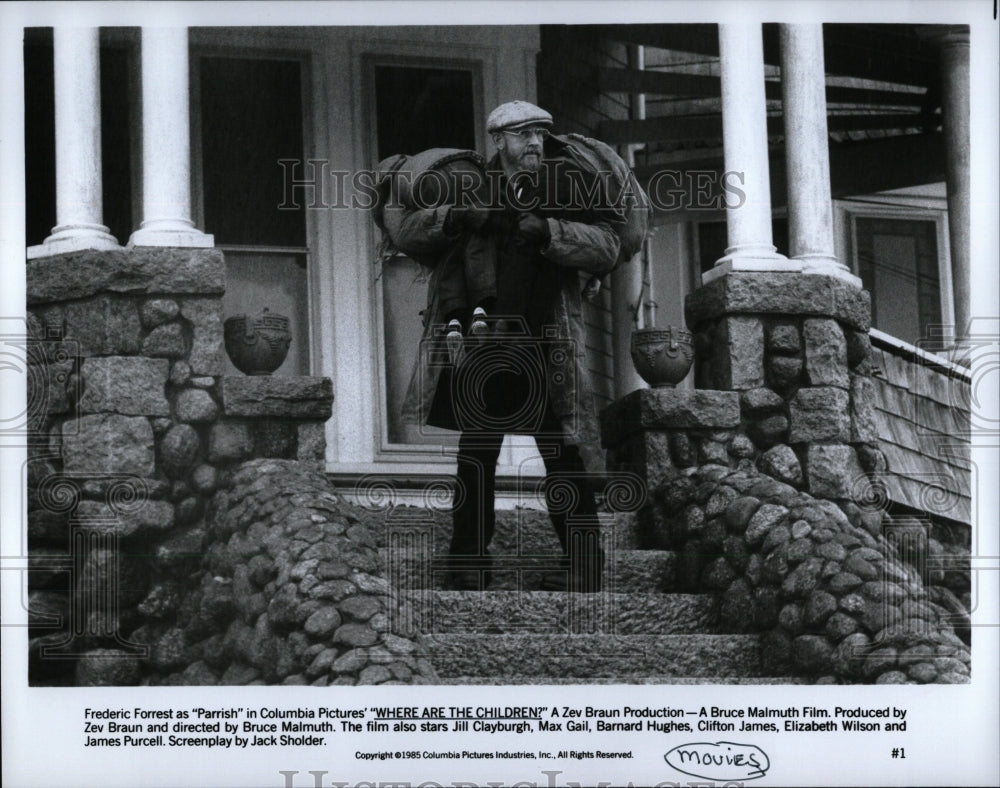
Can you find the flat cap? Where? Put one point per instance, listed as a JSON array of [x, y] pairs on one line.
[[515, 114]]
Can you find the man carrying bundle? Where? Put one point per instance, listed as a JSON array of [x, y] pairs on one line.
[[546, 217]]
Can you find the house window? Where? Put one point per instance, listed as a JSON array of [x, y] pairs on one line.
[[417, 106], [251, 117], [713, 240], [898, 263]]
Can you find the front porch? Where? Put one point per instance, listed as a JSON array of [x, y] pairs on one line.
[[779, 488]]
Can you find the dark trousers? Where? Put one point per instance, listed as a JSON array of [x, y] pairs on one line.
[[568, 496]]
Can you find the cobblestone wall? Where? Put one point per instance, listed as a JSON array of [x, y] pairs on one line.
[[837, 603], [290, 591]]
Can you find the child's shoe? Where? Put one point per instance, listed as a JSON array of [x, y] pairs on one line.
[[453, 339], [478, 327]]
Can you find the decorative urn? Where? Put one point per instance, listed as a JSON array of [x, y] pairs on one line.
[[662, 356], [258, 344]]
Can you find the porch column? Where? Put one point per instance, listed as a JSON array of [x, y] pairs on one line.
[[79, 204], [955, 115], [166, 143], [803, 94], [744, 139]]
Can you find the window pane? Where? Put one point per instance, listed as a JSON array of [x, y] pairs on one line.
[[416, 108], [275, 281], [39, 136], [404, 289], [897, 260], [251, 116], [421, 108]]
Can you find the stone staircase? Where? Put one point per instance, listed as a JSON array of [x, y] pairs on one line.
[[638, 630]]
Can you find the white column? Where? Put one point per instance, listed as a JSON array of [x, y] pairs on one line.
[[807, 154], [166, 143], [79, 204], [955, 117], [744, 138]]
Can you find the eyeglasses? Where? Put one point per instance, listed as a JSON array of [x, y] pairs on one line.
[[524, 134]]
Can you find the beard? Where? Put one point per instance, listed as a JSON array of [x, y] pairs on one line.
[[531, 161]]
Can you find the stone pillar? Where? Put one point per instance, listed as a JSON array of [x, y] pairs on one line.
[[136, 429], [280, 416], [796, 347], [803, 93], [744, 137], [79, 204], [166, 143], [955, 111]]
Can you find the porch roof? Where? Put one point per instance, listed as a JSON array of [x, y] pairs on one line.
[[883, 102]]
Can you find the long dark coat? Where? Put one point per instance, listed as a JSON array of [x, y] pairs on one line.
[[583, 238]]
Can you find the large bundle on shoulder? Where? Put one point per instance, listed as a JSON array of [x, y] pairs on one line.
[[429, 179], [620, 189], [432, 178]]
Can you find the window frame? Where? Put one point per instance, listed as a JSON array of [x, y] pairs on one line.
[[386, 450], [342, 303], [720, 217], [848, 211], [304, 56]]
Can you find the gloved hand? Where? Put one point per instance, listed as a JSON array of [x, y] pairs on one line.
[[532, 230], [466, 217]]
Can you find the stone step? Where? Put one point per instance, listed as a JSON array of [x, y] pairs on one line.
[[552, 612], [501, 657], [625, 571], [521, 531]]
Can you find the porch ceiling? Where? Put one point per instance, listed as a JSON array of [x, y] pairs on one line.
[[883, 99], [889, 53]]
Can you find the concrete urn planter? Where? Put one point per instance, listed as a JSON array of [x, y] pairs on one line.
[[257, 345], [662, 356]]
